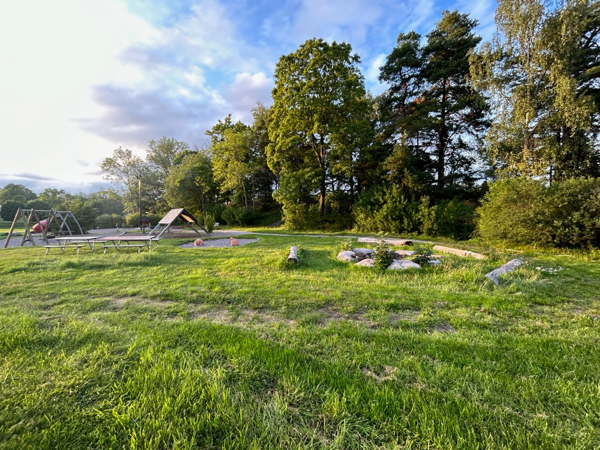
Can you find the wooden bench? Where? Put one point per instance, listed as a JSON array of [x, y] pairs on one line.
[[62, 247], [118, 246]]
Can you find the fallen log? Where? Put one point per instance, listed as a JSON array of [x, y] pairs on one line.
[[458, 252], [494, 275], [389, 241], [293, 256]]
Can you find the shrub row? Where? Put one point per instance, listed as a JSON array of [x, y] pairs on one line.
[[520, 211]]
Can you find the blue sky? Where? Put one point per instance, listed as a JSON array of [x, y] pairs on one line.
[[85, 77]]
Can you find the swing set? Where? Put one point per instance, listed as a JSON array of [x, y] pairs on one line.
[[29, 217]]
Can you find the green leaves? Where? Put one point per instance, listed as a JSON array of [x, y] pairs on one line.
[[319, 119]]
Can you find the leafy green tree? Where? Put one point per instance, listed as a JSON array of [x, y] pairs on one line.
[[231, 158], [9, 209], [53, 196], [131, 173], [542, 71], [190, 184], [16, 192], [83, 209], [38, 204], [108, 201], [319, 121], [162, 153]]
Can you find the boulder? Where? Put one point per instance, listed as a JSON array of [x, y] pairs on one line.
[[362, 251], [404, 252], [434, 262], [346, 256], [399, 264], [366, 263]]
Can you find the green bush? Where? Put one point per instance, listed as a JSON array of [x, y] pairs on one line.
[[109, 221], [38, 204], [238, 215], [454, 219], [389, 210], [299, 216], [382, 255], [521, 211], [9, 209], [386, 210], [209, 222]]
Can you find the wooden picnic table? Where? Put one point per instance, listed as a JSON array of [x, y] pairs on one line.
[[73, 242], [124, 241]]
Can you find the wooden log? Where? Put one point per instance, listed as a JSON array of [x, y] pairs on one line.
[[458, 252], [494, 275], [389, 241], [293, 256]]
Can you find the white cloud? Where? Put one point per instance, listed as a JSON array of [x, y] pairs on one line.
[[246, 91]]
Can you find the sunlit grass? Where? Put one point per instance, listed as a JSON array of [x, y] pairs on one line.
[[230, 348]]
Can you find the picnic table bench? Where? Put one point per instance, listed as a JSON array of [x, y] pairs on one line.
[[124, 241], [77, 242]]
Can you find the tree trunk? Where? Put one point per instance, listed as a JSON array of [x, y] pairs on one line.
[[203, 207], [442, 140], [322, 197]]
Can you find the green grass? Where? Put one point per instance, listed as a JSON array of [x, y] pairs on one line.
[[230, 348], [5, 227]]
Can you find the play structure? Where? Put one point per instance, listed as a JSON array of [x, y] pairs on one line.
[[33, 224], [165, 223]]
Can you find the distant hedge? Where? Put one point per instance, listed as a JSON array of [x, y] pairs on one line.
[[521, 211]]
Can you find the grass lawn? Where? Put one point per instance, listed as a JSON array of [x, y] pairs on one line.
[[230, 348], [5, 227]]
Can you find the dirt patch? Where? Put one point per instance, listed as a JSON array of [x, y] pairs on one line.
[[218, 243], [444, 327], [409, 315], [388, 374]]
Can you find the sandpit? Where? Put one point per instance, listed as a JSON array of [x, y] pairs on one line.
[[218, 243]]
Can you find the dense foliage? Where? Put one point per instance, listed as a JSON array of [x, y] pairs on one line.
[[522, 211]]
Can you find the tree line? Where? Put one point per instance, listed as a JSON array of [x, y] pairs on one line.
[[458, 114]]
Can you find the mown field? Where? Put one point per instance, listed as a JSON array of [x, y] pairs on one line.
[[230, 348]]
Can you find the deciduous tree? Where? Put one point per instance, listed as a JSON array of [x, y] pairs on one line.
[[319, 120]]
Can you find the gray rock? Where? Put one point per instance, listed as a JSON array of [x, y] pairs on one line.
[[434, 262], [404, 252], [346, 256], [400, 264], [362, 251], [366, 263]]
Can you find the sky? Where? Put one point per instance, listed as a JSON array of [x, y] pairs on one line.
[[80, 78]]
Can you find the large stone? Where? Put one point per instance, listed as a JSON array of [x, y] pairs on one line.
[[346, 256], [362, 251], [400, 264], [366, 263], [434, 262], [404, 252]]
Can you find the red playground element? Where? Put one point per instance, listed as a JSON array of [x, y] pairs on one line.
[[198, 242], [234, 241], [40, 227]]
